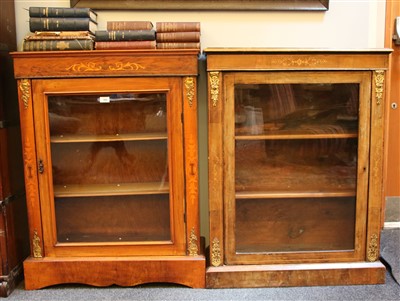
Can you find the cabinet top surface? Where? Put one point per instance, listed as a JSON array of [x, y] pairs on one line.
[[100, 63], [239, 50], [261, 59]]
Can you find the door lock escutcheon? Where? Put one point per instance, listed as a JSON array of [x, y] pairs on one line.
[[41, 166], [394, 105]]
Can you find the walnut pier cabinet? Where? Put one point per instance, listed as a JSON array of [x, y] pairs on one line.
[[111, 171], [295, 166]]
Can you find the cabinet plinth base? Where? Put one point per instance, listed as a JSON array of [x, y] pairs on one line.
[[122, 271], [295, 275]]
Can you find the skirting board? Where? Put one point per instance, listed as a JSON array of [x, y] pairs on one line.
[[122, 271], [241, 276]]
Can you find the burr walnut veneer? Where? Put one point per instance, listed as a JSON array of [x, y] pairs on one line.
[[111, 171], [295, 166]]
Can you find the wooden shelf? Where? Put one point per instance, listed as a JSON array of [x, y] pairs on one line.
[[294, 194], [106, 138], [296, 136], [111, 189]]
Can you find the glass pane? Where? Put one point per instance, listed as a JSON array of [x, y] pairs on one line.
[[274, 109], [110, 167], [113, 219], [296, 148], [109, 162], [113, 114], [298, 165], [295, 224]]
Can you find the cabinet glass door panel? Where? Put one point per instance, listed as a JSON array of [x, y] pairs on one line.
[[112, 162], [282, 110], [113, 218], [295, 165], [107, 115], [302, 166], [295, 224], [110, 173]]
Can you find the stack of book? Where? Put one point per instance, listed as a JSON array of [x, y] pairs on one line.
[[60, 28], [126, 35], [178, 35]]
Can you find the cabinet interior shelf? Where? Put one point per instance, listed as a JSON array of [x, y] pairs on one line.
[[75, 190], [294, 194], [298, 136], [105, 138]]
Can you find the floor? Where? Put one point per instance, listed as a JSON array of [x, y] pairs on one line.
[[390, 252], [390, 255]]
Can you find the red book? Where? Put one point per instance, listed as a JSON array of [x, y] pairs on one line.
[[129, 25], [188, 36], [177, 26], [182, 45]]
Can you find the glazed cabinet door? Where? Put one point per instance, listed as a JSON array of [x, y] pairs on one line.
[[106, 151], [296, 158]]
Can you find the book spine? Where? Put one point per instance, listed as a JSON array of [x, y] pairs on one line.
[[129, 25], [59, 24], [59, 12], [178, 45], [189, 36], [177, 26], [125, 35], [58, 45], [63, 37], [60, 34], [125, 45]]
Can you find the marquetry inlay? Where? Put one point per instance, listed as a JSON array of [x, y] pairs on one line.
[[299, 62], [96, 67]]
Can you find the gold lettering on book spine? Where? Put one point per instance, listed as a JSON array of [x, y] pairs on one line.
[[379, 80], [25, 87], [96, 67], [190, 91], [215, 253], [193, 249], [214, 87], [372, 252], [36, 249]]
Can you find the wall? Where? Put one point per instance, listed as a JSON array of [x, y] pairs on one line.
[[347, 24]]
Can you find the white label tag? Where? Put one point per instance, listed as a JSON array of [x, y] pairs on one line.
[[104, 99]]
